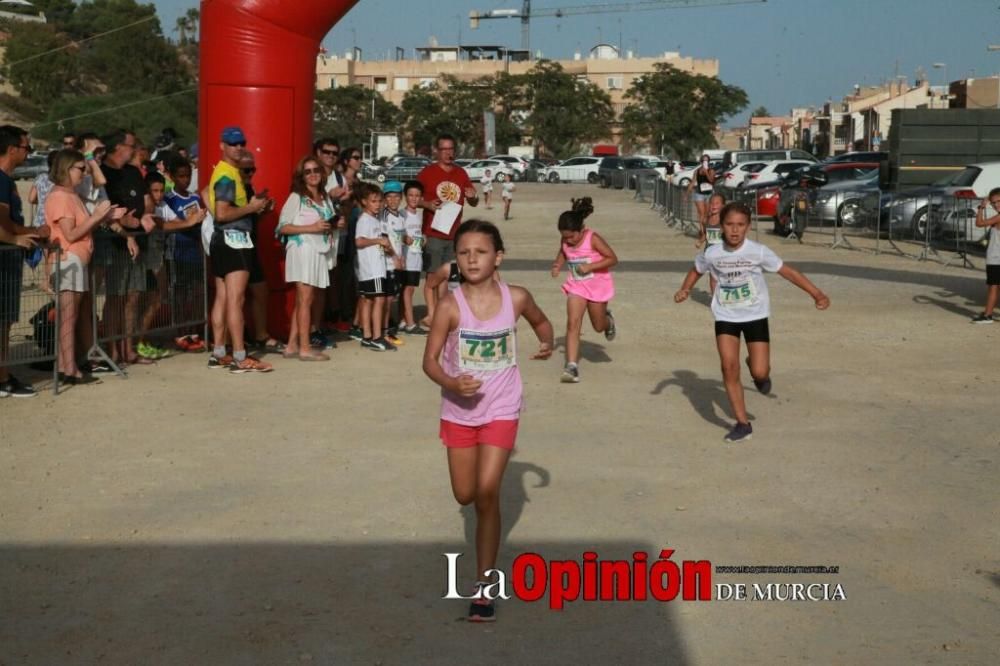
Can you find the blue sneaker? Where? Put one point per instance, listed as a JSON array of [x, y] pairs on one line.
[[741, 432]]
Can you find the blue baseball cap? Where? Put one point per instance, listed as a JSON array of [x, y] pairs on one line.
[[392, 186], [233, 134]]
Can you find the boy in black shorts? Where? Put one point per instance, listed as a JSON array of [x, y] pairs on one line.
[[372, 249], [741, 305]]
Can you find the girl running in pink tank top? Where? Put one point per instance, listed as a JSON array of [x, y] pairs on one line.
[[471, 354], [589, 286]]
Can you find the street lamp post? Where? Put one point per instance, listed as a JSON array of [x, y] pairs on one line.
[[944, 67]]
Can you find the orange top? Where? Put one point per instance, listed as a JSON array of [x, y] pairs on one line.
[[64, 203]]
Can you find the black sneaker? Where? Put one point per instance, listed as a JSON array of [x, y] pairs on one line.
[[15, 388], [982, 319], [763, 386], [319, 341], [416, 329], [385, 343], [355, 333], [99, 367], [571, 374], [482, 609], [374, 345], [611, 331], [741, 432]]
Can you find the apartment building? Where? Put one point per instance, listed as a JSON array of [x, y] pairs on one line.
[[604, 66]]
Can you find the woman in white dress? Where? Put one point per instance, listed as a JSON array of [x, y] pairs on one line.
[[308, 226]]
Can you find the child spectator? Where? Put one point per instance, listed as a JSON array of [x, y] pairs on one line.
[[413, 254], [487, 183], [184, 260], [992, 222], [156, 278], [507, 195], [370, 264], [394, 226]]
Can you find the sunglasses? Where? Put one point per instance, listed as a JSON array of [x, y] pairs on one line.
[[249, 170], [239, 144], [309, 172], [355, 157], [332, 153]]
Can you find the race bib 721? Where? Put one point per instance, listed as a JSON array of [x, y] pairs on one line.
[[486, 350]]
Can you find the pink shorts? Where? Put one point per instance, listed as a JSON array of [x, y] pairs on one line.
[[495, 433]]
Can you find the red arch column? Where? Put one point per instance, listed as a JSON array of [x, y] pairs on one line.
[[258, 71]]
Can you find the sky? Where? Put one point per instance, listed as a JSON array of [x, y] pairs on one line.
[[784, 53]]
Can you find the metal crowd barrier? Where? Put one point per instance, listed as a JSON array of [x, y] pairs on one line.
[[154, 295], [29, 307]]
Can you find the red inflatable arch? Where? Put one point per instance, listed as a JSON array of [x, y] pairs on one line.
[[258, 71]]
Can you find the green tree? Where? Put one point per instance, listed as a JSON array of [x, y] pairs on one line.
[[671, 109], [565, 111], [346, 113], [40, 79], [760, 112], [510, 97], [423, 111], [137, 58], [104, 113]]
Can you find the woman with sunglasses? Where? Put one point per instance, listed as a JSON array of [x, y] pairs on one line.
[[308, 225], [72, 229]]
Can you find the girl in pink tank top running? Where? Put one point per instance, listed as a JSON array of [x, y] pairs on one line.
[[589, 286], [471, 354]]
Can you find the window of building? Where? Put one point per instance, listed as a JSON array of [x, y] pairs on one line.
[[381, 83], [333, 83], [426, 82], [401, 83], [614, 83]]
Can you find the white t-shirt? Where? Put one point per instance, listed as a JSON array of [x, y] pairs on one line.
[[414, 254], [487, 183], [394, 226], [371, 260], [741, 292], [508, 190], [91, 195]]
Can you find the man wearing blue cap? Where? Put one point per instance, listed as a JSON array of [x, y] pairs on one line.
[[232, 253]]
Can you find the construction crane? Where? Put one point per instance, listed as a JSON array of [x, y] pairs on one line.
[[526, 13]]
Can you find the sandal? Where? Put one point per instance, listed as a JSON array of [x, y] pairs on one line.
[[273, 346], [317, 356], [290, 353]]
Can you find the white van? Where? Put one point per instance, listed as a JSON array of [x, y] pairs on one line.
[[734, 157]]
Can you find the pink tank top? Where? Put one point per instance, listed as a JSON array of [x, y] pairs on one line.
[[486, 350], [597, 286]]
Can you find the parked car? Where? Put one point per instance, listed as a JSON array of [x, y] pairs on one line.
[[871, 156], [733, 157], [464, 162], [736, 176], [32, 167], [519, 164], [575, 168], [636, 168], [497, 170], [369, 170], [772, 172], [962, 197], [404, 169], [801, 200], [609, 169]]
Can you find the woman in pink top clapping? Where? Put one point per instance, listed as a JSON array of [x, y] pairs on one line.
[[72, 228], [471, 353]]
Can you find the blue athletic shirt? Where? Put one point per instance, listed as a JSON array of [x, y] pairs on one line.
[[187, 243]]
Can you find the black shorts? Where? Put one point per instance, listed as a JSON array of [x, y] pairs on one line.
[[226, 260], [11, 275], [373, 288], [393, 285], [993, 274], [753, 331], [256, 268], [408, 278]]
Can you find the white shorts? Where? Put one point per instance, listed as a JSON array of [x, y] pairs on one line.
[[73, 274]]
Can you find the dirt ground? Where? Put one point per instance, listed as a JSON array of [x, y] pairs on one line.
[[188, 516]]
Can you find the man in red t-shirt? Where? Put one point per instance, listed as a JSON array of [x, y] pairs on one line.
[[443, 181]]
